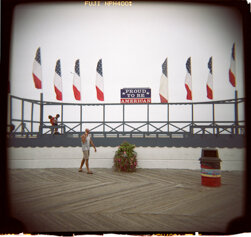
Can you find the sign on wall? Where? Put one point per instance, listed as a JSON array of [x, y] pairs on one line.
[[135, 95]]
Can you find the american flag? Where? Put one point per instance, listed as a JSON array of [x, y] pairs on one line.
[[163, 88], [100, 81], [188, 80], [210, 79], [58, 81], [37, 70], [77, 82], [232, 70]]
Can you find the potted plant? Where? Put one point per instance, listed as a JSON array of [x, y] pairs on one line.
[[125, 158]]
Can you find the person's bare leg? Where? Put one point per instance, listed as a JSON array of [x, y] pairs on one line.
[[87, 167], [82, 163]]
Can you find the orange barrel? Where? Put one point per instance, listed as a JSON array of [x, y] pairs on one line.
[[210, 168]]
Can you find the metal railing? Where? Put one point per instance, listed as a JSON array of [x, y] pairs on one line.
[[29, 118]]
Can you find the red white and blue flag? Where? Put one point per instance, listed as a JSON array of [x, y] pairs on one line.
[[77, 82], [58, 81], [37, 70], [99, 81], [163, 88], [210, 79], [232, 70], [188, 80]]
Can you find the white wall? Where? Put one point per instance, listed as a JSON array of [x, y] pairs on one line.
[[148, 157]]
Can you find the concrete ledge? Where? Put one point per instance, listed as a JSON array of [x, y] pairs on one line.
[[148, 157]]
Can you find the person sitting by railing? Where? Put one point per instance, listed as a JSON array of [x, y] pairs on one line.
[[54, 123], [10, 128]]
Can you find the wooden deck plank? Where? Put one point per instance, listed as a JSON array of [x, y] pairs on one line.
[[58, 200]]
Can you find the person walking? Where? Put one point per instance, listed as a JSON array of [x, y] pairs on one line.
[[86, 142]]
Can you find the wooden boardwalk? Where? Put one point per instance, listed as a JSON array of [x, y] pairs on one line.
[[149, 200]]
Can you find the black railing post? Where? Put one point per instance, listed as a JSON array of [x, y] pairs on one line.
[[213, 118], [22, 117], [147, 118], [123, 118], [192, 118], [62, 120], [81, 118], [236, 115], [168, 118], [32, 110], [10, 109], [41, 114], [104, 118]]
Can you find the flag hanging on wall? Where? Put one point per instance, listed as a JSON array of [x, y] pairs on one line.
[[163, 88], [210, 79], [100, 81], [37, 70], [58, 81], [77, 82], [232, 70], [188, 80]]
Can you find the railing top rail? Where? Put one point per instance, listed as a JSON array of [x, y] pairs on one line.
[[28, 100], [228, 101]]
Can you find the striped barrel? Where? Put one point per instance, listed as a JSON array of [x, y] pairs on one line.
[[210, 168], [210, 177]]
